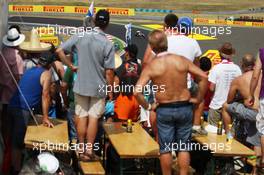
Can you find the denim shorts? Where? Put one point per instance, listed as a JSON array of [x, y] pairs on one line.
[[240, 112], [174, 121]]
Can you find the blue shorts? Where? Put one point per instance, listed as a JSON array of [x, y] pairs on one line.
[[174, 121]]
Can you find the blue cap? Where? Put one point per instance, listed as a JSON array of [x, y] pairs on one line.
[[185, 22]]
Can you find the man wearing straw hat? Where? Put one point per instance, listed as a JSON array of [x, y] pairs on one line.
[[32, 91], [96, 63]]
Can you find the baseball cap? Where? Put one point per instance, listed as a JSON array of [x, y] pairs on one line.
[[102, 16], [132, 49], [185, 22], [46, 58]]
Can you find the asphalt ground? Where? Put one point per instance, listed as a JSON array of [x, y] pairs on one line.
[[244, 39]]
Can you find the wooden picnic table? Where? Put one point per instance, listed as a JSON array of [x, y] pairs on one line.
[[221, 150], [219, 146], [138, 144], [53, 139]]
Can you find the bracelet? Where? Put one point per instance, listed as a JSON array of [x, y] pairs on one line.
[[149, 107]]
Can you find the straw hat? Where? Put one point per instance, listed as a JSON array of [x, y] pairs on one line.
[[118, 61], [13, 38], [34, 45]]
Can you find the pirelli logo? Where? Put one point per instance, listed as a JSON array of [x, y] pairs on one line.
[[214, 56], [113, 11], [59, 9], [257, 24], [200, 20], [80, 10], [239, 23], [22, 8], [221, 22]]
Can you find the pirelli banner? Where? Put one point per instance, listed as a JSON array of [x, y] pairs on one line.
[[68, 9], [227, 22]]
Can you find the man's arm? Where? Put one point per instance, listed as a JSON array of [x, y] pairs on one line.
[[196, 61], [110, 82], [142, 81], [201, 78], [67, 46], [45, 82], [254, 82], [232, 91], [61, 54]]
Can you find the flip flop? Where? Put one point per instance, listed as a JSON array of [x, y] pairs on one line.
[[93, 157]]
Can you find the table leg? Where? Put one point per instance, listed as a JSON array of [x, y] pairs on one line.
[[121, 167], [104, 150], [156, 165]]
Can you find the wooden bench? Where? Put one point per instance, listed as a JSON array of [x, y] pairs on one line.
[[92, 168]]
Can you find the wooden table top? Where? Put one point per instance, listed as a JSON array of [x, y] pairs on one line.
[[138, 144], [56, 138], [219, 147]]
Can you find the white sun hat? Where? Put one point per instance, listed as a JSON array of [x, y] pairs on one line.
[[48, 163], [13, 38], [34, 45]]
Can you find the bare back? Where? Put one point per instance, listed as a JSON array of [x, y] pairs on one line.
[[169, 73], [243, 86]]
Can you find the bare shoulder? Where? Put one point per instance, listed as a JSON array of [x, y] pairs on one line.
[[46, 75], [245, 76], [182, 61]]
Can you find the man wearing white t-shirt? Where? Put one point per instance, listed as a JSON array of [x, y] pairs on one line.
[[220, 78], [178, 41]]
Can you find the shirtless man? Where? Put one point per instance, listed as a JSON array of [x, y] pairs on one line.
[[241, 110], [168, 72]]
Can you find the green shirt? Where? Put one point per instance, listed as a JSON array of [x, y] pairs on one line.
[[68, 78]]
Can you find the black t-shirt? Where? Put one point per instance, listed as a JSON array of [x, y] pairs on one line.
[[128, 74]]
